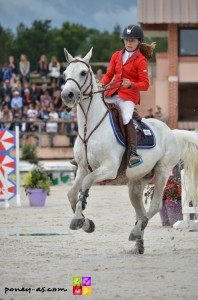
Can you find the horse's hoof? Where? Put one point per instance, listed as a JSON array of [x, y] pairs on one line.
[[76, 224], [134, 237], [139, 247], [137, 250], [88, 226]]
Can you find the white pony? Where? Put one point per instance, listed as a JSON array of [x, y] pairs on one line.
[[99, 155]]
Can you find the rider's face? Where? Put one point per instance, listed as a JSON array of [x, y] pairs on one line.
[[131, 44]]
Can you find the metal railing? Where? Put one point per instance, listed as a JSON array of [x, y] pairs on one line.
[[40, 128]]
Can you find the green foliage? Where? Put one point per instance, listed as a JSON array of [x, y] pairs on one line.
[[7, 44], [29, 153], [42, 39], [37, 179]]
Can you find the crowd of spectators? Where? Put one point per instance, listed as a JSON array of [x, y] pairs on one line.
[[24, 103]]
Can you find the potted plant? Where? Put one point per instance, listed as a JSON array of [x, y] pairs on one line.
[[37, 185], [171, 210], [29, 153], [172, 200]]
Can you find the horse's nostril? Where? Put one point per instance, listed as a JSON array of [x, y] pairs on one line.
[[70, 95]]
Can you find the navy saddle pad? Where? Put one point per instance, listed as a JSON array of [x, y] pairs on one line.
[[147, 137]]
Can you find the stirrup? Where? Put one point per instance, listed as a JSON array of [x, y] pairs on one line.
[[138, 159]]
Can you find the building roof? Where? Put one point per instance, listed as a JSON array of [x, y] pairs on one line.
[[167, 11]]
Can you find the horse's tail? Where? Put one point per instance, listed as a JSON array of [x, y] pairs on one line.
[[188, 141]]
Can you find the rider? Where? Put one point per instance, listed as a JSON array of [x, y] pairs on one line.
[[129, 66]]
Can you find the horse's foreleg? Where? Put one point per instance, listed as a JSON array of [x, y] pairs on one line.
[[74, 191], [102, 173], [135, 193]]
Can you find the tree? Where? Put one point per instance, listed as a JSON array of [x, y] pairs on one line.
[[42, 39], [70, 36], [7, 44], [34, 42]]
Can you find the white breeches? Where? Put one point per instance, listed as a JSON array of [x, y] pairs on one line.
[[126, 107]]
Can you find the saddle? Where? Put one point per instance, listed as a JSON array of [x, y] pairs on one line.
[[145, 136]]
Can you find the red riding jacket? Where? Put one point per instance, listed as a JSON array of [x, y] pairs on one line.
[[135, 69]]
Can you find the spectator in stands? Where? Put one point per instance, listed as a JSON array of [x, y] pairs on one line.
[[34, 93], [65, 116], [57, 102], [26, 85], [32, 115], [72, 130], [12, 66], [6, 73], [52, 127], [7, 89], [7, 101], [42, 90], [26, 97], [46, 100], [24, 69], [17, 114], [54, 69], [150, 113], [99, 74], [24, 126], [44, 113], [53, 88], [6, 117], [61, 82], [39, 110], [42, 68], [1, 74], [17, 101], [17, 86], [73, 113]]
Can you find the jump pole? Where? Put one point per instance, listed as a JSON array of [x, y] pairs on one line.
[[18, 198], [186, 210]]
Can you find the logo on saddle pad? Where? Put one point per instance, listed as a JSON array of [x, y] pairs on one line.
[[147, 132]]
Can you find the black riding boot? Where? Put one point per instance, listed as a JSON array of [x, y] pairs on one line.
[[131, 136]]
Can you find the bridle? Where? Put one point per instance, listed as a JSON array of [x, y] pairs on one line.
[[85, 95]]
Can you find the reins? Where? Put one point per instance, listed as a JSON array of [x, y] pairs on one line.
[[105, 88], [85, 139]]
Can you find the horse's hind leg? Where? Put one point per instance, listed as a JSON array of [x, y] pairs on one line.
[[135, 193], [162, 175]]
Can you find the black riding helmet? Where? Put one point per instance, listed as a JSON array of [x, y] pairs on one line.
[[133, 32]]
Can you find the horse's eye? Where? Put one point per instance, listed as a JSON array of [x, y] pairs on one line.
[[83, 73]]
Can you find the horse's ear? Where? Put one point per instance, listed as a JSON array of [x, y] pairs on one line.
[[88, 56], [68, 56]]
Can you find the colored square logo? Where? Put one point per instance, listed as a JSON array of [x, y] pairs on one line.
[[86, 281], [77, 281], [86, 290], [77, 290]]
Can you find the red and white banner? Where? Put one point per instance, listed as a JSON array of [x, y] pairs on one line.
[[7, 140], [7, 164], [11, 186]]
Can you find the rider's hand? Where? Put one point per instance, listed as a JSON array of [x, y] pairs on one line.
[[126, 83], [100, 85]]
